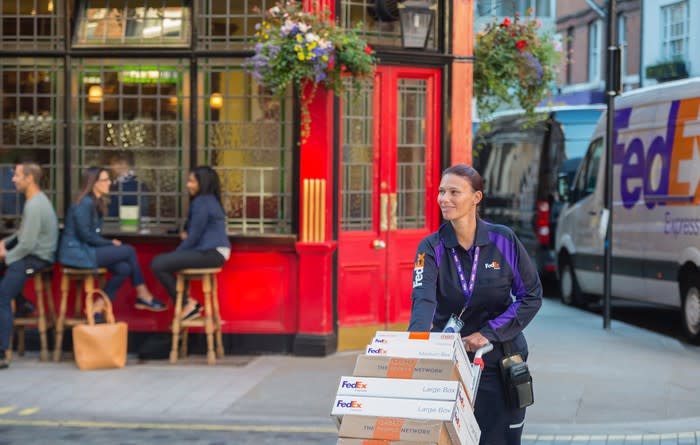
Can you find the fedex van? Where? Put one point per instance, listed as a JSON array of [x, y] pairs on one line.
[[656, 206]]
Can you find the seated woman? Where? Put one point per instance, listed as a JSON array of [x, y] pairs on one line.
[[82, 245], [204, 241]]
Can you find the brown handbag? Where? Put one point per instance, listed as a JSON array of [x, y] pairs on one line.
[[100, 346]]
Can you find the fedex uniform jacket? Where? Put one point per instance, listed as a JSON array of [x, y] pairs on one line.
[[507, 292]]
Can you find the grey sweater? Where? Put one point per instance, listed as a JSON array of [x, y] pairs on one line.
[[38, 232]]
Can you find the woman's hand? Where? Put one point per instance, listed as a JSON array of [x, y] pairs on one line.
[[116, 242], [183, 235], [474, 341]]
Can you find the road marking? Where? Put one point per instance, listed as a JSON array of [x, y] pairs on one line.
[[28, 411], [611, 438], [6, 409], [168, 426]]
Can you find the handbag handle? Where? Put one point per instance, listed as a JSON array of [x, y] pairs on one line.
[[90, 301]]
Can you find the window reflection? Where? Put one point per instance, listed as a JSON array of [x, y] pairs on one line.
[[110, 22], [248, 140], [132, 124], [28, 129]]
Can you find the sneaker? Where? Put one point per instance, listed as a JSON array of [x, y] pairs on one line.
[[24, 307], [4, 364], [154, 305], [194, 313]]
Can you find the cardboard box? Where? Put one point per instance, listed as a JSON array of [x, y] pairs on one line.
[[444, 440], [399, 388], [457, 430], [386, 336], [416, 368]]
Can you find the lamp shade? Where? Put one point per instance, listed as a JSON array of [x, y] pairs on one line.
[[95, 94], [216, 101], [416, 23]]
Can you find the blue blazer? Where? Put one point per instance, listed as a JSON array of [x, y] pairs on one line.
[[206, 225], [81, 234]]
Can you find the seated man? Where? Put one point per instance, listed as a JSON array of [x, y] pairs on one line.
[[33, 246], [126, 189]]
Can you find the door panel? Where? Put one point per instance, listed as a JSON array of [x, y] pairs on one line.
[[390, 162]]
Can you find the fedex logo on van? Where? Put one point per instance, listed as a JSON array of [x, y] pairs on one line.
[[662, 167]]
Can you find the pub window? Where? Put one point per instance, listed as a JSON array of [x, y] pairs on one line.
[[410, 187], [380, 21], [133, 22], [29, 130], [247, 135], [229, 23], [358, 158], [32, 24], [132, 119]]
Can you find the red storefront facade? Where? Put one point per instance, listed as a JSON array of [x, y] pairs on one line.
[[362, 195]]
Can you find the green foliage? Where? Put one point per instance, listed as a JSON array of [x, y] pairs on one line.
[[515, 65], [302, 49]]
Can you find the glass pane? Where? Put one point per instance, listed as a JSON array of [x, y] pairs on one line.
[[145, 22], [229, 23], [247, 137], [31, 24], [133, 123], [411, 151], [380, 25], [29, 129], [358, 159]]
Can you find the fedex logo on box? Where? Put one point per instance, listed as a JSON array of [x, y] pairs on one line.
[[357, 384], [660, 167], [379, 351], [353, 404]]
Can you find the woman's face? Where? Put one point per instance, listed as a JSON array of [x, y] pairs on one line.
[[192, 184], [456, 198], [101, 187]]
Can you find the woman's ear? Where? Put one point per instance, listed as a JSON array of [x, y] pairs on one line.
[[478, 196]]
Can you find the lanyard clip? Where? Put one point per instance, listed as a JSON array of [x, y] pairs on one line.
[[463, 309]]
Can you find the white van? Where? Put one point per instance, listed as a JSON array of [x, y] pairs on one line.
[[656, 205]]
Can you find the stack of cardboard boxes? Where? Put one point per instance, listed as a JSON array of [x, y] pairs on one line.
[[408, 388]]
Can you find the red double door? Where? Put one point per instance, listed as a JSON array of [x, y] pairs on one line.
[[389, 172]]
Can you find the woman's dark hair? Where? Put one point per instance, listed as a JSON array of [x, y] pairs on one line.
[[90, 177], [208, 180], [468, 173]]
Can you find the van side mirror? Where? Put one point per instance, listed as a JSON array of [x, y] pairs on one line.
[[563, 187]]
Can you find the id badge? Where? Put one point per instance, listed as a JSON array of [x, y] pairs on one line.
[[454, 324]]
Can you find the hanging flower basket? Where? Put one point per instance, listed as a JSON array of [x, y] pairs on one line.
[[515, 65], [302, 49]]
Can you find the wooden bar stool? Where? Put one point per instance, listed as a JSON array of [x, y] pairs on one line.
[[85, 281], [44, 294], [212, 318]]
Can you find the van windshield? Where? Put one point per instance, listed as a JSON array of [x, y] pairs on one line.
[[578, 127]]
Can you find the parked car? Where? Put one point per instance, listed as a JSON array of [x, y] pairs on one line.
[[655, 211], [520, 167]]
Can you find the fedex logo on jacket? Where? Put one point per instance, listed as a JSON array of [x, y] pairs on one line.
[[658, 166]]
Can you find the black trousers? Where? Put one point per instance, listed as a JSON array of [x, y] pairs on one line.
[[164, 266], [500, 424]]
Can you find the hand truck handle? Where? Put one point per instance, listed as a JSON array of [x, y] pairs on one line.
[[478, 366]]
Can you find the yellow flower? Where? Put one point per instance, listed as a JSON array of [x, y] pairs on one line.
[[324, 58], [297, 48], [299, 38], [301, 56]]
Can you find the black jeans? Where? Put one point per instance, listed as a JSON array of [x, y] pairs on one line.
[[10, 286], [164, 266]]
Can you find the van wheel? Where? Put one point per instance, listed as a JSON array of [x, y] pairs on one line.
[[691, 311], [569, 292]]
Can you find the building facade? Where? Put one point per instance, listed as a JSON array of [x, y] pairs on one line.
[[582, 27], [323, 231], [670, 40]]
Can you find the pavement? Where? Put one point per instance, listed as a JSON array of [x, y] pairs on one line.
[[619, 386]]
